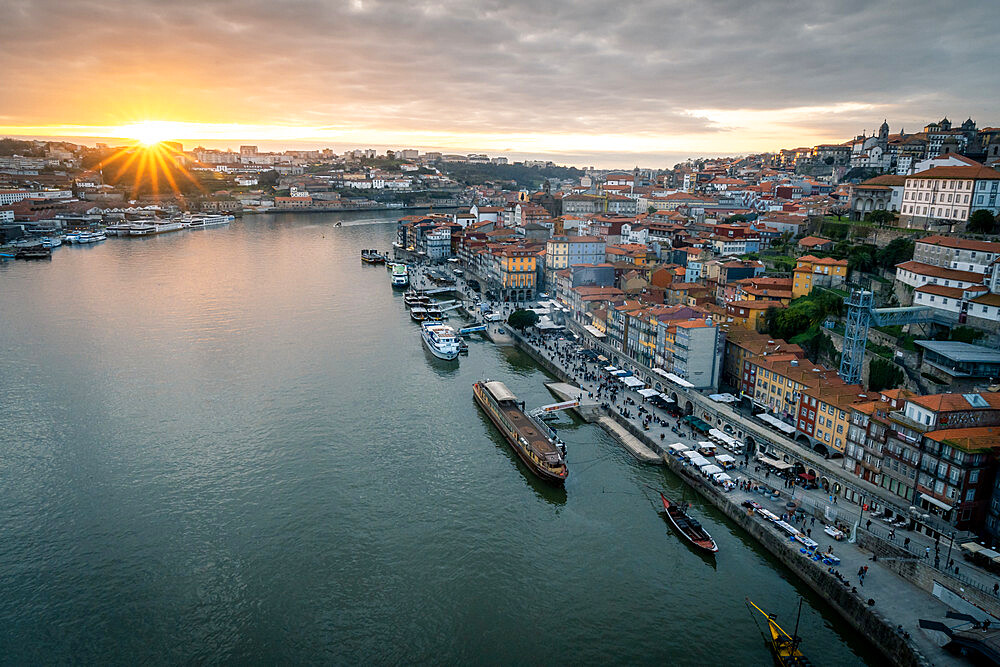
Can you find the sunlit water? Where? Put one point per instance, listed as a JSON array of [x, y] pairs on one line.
[[228, 445]]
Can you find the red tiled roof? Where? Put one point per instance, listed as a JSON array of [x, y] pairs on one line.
[[940, 272]]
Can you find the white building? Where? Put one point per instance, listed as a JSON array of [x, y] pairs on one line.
[[945, 193]]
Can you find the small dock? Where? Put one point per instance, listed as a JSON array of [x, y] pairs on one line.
[[640, 451], [589, 410]]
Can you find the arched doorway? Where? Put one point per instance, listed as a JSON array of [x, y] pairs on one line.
[[688, 407], [803, 440], [752, 445], [820, 448]]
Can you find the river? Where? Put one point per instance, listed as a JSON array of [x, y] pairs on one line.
[[229, 445]]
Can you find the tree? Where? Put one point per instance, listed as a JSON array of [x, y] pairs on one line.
[[651, 209], [880, 218], [861, 259], [898, 251], [981, 222], [828, 159], [840, 211], [965, 334], [521, 319], [268, 178], [882, 374]]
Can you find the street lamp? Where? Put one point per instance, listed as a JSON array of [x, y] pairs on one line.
[[950, 545]]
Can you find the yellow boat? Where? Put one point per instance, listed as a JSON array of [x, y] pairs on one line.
[[784, 647]]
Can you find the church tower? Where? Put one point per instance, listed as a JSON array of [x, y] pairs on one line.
[[883, 133]]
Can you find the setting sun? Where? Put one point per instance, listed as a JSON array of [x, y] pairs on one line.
[[151, 132]]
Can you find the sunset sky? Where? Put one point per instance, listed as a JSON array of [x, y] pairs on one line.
[[587, 82]]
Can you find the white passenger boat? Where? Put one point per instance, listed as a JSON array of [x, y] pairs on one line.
[[150, 228], [51, 241], [202, 220], [400, 276], [441, 340], [118, 229]]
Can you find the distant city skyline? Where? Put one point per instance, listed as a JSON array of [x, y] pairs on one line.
[[582, 83]]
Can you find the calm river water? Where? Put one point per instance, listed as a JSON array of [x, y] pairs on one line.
[[228, 445]]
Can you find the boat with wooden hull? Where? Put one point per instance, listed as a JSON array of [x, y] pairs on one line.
[[690, 529], [370, 256], [533, 442], [784, 647], [33, 252]]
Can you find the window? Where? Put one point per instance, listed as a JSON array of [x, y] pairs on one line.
[[970, 495]]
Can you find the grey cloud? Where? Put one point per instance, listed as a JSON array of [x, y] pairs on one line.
[[500, 66]]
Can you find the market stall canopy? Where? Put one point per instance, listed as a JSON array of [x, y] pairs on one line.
[[725, 458], [632, 381], [774, 463], [646, 393], [711, 470], [679, 380], [679, 447], [723, 398], [594, 331]]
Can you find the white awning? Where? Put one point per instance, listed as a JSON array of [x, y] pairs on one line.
[[666, 398], [691, 455], [678, 447], [721, 477], [725, 458], [723, 398], [632, 381], [594, 331], [934, 501], [679, 380], [699, 461], [711, 469], [774, 463], [621, 373], [661, 372], [646, 393], [610, 369]]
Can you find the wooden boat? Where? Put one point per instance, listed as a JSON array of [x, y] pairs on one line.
[[370, 256], [784, 647], [33, 252], [688, 527], [533, 442]]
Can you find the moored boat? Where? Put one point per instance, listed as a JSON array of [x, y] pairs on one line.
[[202, 220], [688, 527], [415, 298], [418, 313], [533, 442], [784, 647], [400, 276], [33, 252], [441, 340], [371, 256]]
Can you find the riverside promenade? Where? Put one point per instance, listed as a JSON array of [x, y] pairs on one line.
[[891, 623]]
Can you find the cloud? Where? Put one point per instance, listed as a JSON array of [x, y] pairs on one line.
[[474, 69]]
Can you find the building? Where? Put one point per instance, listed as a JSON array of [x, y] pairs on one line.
[[815, 244], [562, 252], [958, 364], [946, 194], [517, 272], [915, 274], [955, 253], [813, 271], [691, 349], [743, 344], [824, 415], [749, 314], [776, 381]]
